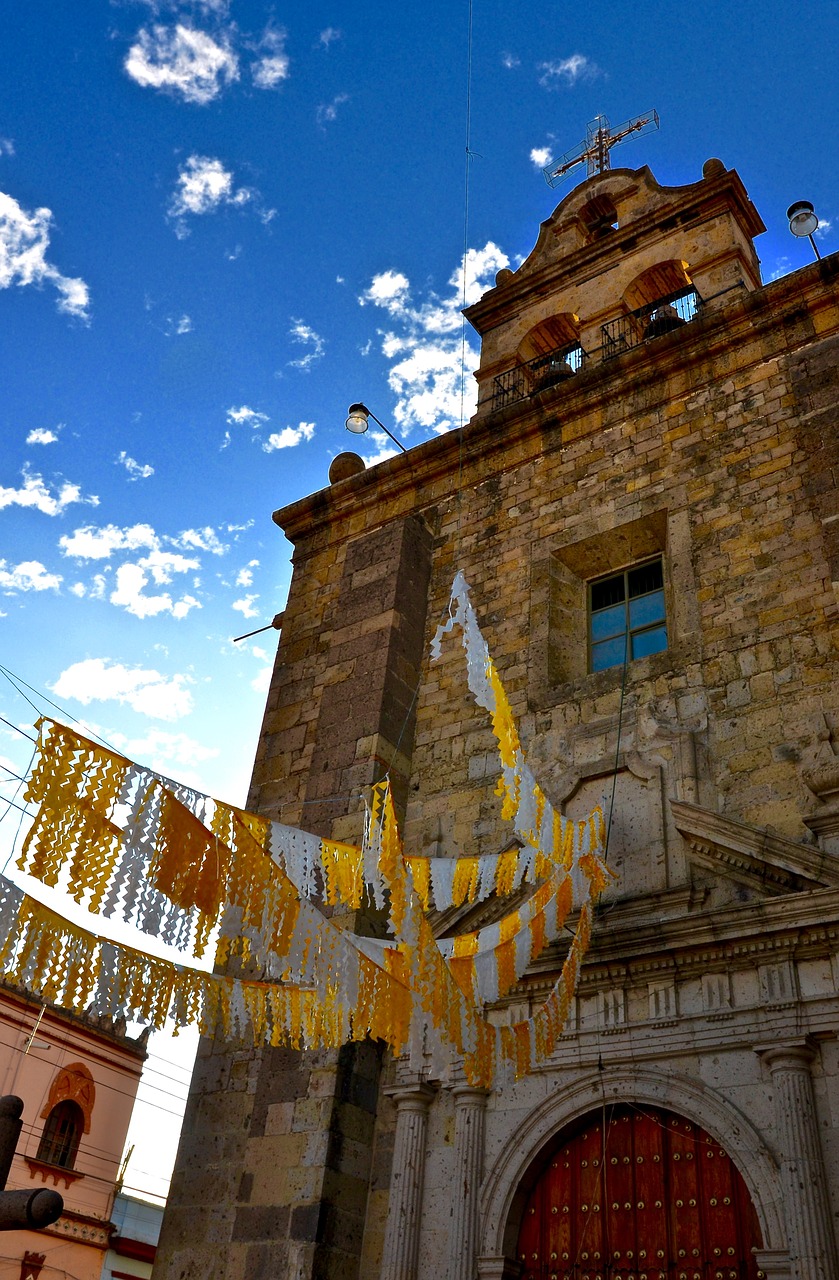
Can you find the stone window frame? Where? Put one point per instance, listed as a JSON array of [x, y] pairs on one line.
[[561, 570], [629, 633]]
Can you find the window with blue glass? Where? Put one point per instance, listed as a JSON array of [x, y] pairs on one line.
[[626, 616]]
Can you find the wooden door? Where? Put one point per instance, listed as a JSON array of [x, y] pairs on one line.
[[653, 1197]]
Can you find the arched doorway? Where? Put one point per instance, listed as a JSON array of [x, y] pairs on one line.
[[637, 1193]]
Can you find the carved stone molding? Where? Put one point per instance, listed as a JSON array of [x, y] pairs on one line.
[[401, 1244], [750, 855], [812, 1244]]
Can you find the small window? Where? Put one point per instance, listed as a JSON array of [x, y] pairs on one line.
[[62, 1134], [627, 608]]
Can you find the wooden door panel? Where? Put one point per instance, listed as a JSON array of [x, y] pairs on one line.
[[658, 1199]]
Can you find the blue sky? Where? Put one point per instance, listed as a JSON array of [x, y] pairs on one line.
[[220, 223]]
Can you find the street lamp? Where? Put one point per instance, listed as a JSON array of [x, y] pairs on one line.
[[357, 423], [803, 222]]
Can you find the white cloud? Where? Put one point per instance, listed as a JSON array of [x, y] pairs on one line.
[[136, 470], [99, 543], [426, 350], [328, 111], [202, 540], [246, 606], [304, 334], [328, 36], [246, 417], [178, 325], [162, 749], [383, 448], [823, 229], [389, 289], [24, 240], [262, 680], [35, 493], [7, 147], [288, 437], [564, 73], [204, 185], [129, 594], [41, 435], [244, 578], [540, 156], [183, 61], [271, 67], [144, 690], [78, 589], [162, 564], [29, 575], [510, 61]]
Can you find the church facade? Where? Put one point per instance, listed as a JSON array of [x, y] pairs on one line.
[[645, 507]]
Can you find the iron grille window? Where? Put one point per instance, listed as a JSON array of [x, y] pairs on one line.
[[62, 1134], [626, 616]]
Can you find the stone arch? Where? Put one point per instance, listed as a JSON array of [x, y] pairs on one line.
[[660, 281], [507, 1184], [73, 1083], [560, 330]]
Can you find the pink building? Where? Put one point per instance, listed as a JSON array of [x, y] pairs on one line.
[[77, 1076]]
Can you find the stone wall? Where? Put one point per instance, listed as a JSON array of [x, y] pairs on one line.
[[714, 446]]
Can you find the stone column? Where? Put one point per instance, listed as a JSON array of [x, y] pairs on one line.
[[401, 1247], [812, 1245], [469, 1111]]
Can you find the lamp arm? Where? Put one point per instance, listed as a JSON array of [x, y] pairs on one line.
[[387, 433]]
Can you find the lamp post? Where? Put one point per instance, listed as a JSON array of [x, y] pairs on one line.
[[357, 423], [803, 222]]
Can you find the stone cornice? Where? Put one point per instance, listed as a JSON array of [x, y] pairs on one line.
[[492, 442], [81, 1228], [753, 857]]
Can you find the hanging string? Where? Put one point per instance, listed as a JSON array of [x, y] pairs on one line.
[[463, 321]]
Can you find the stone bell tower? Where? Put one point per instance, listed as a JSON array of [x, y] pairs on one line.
[[645, 507]]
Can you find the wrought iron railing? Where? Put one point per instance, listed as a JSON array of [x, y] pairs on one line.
[[536, 375], [650, 321]]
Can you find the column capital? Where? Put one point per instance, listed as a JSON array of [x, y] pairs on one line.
[[794, 1055], [464, 1093], [411, 1096]]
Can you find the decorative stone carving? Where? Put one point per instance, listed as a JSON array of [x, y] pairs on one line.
[[73, 1084], [469, 1113], [821, 777], [401, 1245], [812, 1247]]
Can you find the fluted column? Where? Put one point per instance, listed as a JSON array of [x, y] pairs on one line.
[[469, 1111], [812, 1245], [399, 1258]]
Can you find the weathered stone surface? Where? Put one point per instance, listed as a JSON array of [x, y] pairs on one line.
[[715, 447]]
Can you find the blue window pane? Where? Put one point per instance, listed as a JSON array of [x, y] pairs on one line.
[[646, 610], [608, 622], [610, 653], [652, 641]]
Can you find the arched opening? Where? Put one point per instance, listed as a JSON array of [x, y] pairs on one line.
[[599, 216], [658, 282], [636, 1193], [658, 301], [62, 1134], [548, 353]]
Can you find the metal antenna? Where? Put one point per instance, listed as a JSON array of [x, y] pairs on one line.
[[596, 149]]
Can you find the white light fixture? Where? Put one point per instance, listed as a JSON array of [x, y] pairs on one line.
[[357, 423], [803, 222]]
